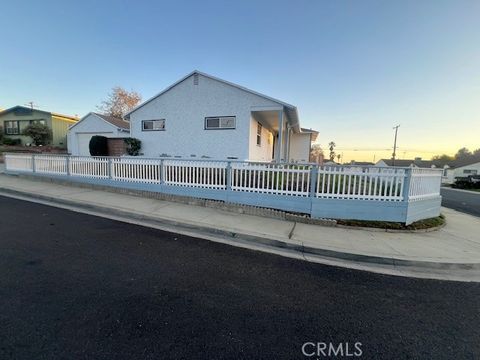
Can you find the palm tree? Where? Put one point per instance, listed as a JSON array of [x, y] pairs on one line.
[[331, 146]]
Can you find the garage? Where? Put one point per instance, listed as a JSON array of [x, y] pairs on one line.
[[92, 124]]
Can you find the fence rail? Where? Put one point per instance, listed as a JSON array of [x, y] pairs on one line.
[[290, 181], [335, 182]]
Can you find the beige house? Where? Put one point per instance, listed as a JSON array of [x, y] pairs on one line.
[[16, 119]]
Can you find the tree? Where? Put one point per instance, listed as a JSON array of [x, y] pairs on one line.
[[119, 102], [40, 133], [316, 154], [133, 146], [463, 154], [338, 158], [442, 160], [331, 146]]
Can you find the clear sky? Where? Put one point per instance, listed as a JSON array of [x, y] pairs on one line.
[[354, 69]]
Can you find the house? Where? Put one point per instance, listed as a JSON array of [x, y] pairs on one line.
[[14, 120], [417, 162], [79, 134], [204, 117], [460, 168], [360, 163]]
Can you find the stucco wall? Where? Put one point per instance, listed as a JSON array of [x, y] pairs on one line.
[[93, 125], [184, 108], [300, 147]]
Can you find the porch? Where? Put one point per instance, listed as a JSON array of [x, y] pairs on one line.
[[290, 143]]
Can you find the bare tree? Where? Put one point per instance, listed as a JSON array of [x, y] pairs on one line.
[[316, 154], [119, 102]]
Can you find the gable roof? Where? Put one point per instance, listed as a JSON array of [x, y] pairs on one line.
[[462, 162], [291, 110], [119, 123], [122, 124], [407, 163], [17, 107]]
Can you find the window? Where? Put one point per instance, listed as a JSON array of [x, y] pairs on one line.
[[471, 172], [11, 128], [259, 134], [153, 125], [220, 122], [37, 122]]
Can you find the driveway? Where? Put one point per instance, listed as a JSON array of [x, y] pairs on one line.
[[466, 202], [77, 286]]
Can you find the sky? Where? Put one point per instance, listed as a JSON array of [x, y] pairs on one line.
[[354, 69]]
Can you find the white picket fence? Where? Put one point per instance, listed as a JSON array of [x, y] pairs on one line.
[[299, 180]]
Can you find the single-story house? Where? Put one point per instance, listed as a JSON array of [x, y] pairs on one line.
[[15, 119], [460, 168], [204, 117], [79, 134]]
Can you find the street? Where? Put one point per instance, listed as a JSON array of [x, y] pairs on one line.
[[78, 286], [466, 202]]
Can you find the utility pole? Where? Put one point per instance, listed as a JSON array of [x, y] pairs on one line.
[[31, 104], [395, 145]]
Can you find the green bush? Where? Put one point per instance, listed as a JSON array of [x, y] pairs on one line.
[[133, 146], [98, 146], [12, 142], [40, 134]]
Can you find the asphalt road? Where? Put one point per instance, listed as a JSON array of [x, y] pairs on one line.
[[74, 286], [462, 201]]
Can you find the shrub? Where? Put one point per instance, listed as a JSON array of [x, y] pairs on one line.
[[133, 146], [40, 134], [13, 142], [98, 146]]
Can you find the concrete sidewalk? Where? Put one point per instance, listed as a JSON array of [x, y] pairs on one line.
[[452, 252]]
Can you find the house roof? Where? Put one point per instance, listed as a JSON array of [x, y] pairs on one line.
[[407, 163], [362, 163], [68, 117], [291, 110], [117, 122], [120, 123], [462, 162], [310, 131]]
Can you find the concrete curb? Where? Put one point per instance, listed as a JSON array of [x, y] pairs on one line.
[[305, 252]]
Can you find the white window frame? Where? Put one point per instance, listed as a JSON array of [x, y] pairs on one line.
[[154, 128], [12, 130], [259, 134], [222, 123]]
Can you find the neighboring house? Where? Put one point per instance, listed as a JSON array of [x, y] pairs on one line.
[[201, 116], [79, 134], [460, 168], [17, 118], [360, 163], [417, 162]]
